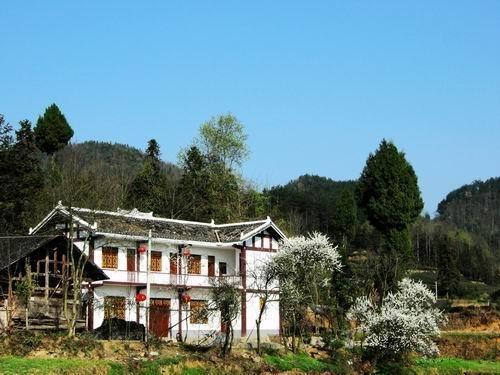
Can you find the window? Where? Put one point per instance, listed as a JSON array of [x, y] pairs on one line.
[[194, 264], [110, 257], [156, 261], [173, 263], [222, 268], [114, 307], [131, 260], [199, 312]]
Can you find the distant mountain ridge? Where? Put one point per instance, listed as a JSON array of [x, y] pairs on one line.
[[475, 207]]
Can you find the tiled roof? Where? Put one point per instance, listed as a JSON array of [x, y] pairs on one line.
[[14, 248], [136, 223]]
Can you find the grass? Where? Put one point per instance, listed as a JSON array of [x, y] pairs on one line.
[[299, 361], [452, 366], [17, 365]]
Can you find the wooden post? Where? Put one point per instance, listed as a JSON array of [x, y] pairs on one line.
[[47, 259]]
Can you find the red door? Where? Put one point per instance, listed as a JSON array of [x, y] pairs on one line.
[[159, 316], [211, 265]]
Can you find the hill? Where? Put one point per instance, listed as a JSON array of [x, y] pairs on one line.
[[94, 175], [476, 208], [307, 203]]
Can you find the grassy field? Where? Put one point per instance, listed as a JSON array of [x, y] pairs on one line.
[[452, 366], [17, 365], [302, 362], [182, 366]]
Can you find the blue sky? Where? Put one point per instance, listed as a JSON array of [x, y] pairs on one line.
[[317, 84]]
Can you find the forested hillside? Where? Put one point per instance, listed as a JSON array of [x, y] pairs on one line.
[[308, 203], [476, 208], [383, 236]]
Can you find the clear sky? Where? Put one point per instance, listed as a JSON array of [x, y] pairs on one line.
[[318, 84]]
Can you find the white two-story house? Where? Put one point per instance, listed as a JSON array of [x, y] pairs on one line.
[[185, 259]]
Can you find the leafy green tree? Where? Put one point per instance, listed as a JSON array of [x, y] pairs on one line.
[[209, 189], [223, 139], [52, 130], [147, 192], [388, 192]]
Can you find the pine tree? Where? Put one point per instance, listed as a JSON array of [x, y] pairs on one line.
[[344, 218], [22, 181], [147, 192], [52, 131], [448, 274], [388, 192]]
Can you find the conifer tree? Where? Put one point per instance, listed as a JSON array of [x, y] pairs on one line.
[[448, 273], [388, 191], [147, 192], [52, 130]]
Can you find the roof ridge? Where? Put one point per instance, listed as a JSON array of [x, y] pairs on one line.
[[164, 219]]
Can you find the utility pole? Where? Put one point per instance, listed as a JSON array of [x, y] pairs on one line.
[[148, 284]]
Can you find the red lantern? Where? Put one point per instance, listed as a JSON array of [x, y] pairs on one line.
[[142, 249], [140, 297], [186, 252], [186, 298]]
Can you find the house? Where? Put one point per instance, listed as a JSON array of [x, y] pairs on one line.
[[185, 258], [45, 258]]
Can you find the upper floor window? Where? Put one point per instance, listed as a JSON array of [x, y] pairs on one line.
[[194, 264], [222, 268], [131, 256], [156, 261], [110, 257]]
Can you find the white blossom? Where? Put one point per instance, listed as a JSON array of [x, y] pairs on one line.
[[405, 322]]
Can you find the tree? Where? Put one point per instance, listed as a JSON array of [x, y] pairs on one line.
[[21, 178], [448, 274], [24, 290], [6, 175], [405, 322], [207, 190], [263, 278], [311, 258], [388, 192], [345, 217], [52, 131], [148, 190], [223, 139], [226, 298]]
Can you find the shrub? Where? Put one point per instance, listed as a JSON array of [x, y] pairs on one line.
[[405, 322]]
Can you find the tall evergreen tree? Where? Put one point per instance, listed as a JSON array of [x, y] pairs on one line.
[[52, 131], [22, 180], [448, 274], [388, 191], [345, 217], [147, 192]]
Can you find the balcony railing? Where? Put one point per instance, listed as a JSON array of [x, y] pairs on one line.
[[165, 278]]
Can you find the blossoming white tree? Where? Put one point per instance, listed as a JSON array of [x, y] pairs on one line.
[[305, 268], [405, 322]]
